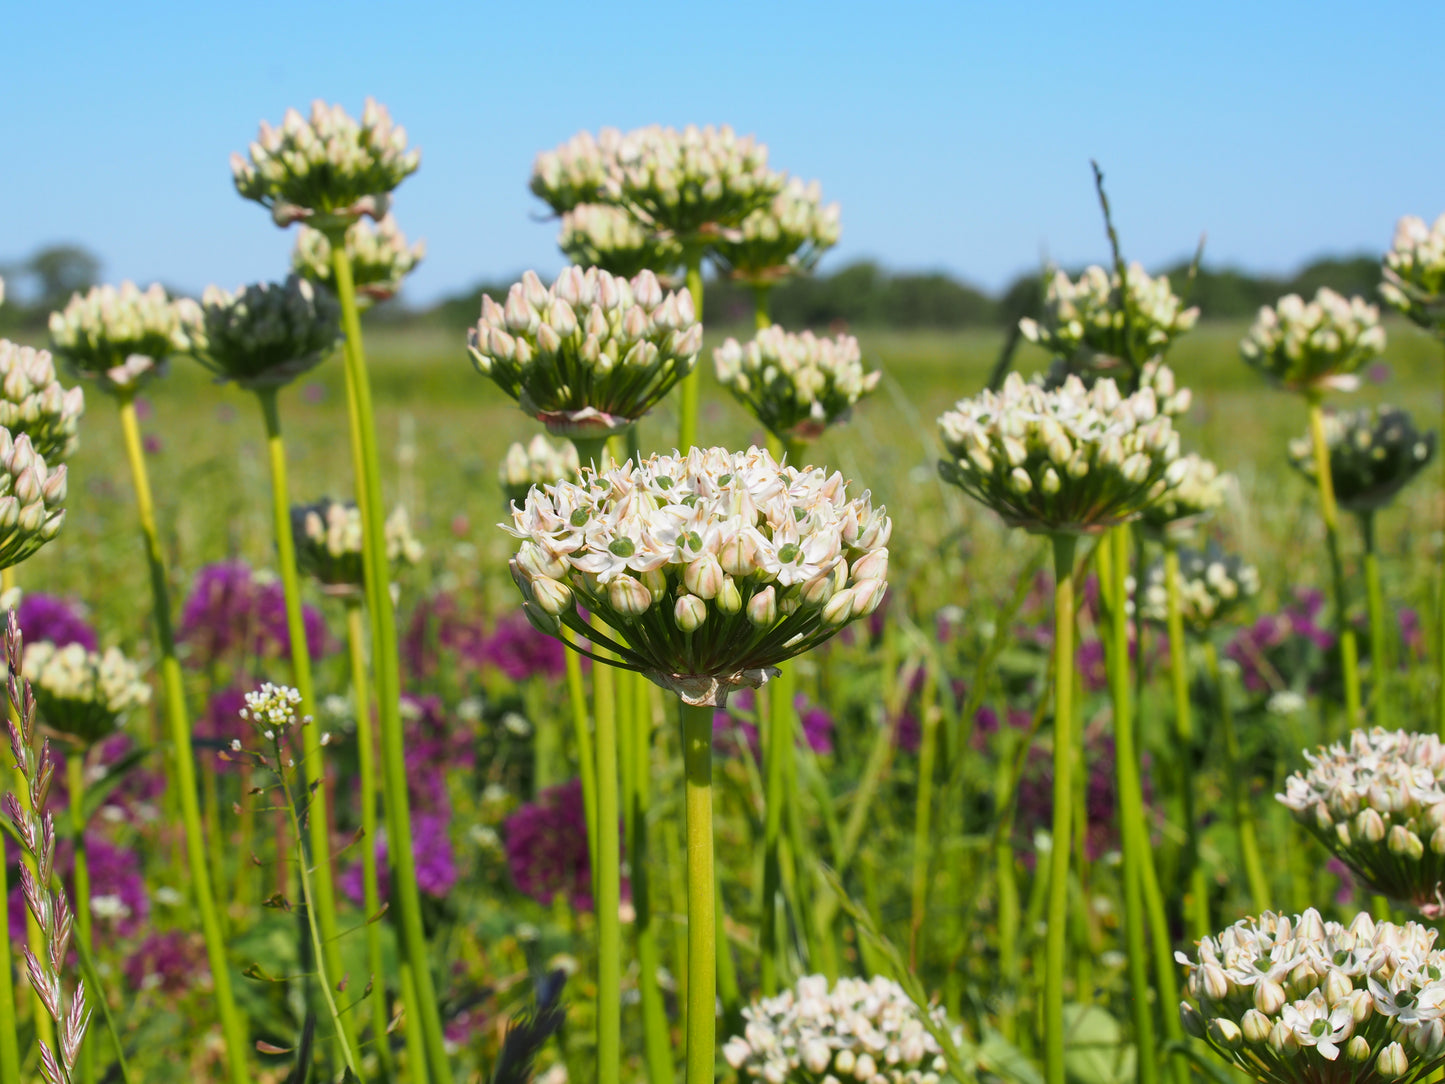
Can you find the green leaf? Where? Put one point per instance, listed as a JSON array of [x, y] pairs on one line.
[[1094, 1048]]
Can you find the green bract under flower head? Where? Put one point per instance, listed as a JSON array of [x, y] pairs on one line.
[[1212, 584], [1414, 272], [122, 338], [590, 355], [1374, 452], [267, 334], [864, 1030], [1068, 461], [576, 172], [1197, 493], [329, 546], [599, 235], [788, 237], [796, 385], [538, 463], [328, 170], [83, 694], [712, 568], [695, 185], [1378, 803], [380, 257], [32, 497], [1304, 1001], [1313, 346], [33, 402]]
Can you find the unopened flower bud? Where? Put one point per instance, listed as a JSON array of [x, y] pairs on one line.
[[689, 612]]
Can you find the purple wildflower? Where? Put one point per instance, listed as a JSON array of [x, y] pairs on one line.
[[221, 724], [439, 625], [120, 905], [547, 847], [229, 611], [431, 848], [49, 617], [169, 962], [520, 651], [435, 746], [817, 725]]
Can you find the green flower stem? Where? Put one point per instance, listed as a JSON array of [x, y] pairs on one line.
[[1381, 658], [586, 765], [1058, 902], [701, 895], [1238, 803], [923, 812], [75, 782], [370, 881], [546, 737], [608, 879], [179, 725], [9, 1036], [1349, 654], [1198, 905], [1440, 640], [728, 991], [690, 387], [762, 316], [416, 1058], [387, 667]]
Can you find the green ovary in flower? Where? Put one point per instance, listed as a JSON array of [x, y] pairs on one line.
[[267, 334], [121, 338], [1374, 453]]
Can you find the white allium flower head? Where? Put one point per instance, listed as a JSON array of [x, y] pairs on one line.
[[83, 694], [786, 238], [1198, 493], [329, 544], [1374, 453], [1316, 345], [33, 402], [1414, 272], [576, 172], [266, 334], [121, 338], [1212, 586], [381, 258], [32, 499], [600, 235], [537, 463]]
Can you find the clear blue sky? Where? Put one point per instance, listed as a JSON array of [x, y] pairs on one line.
[[956, 135]]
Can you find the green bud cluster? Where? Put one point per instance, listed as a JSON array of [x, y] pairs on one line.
[[538, 463], [1414, 272], [380, 257], [1374, 453], [82, 694], [599, 235], [1212, 585], [1195, 496], [122, 338], [328, 543], [267, 334], [1310, 347], [32, 499], [786, 238], [33, 402]]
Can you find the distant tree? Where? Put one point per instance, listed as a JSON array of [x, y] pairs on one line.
[[57, 271]]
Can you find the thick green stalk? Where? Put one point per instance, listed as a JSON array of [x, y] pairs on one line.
[[1238, 803], [1198, 906], [179, 725], [1056, 938], [762, 317], [923, 813], [1381, 662], [778, 757], [657, 1043], [387, 667], [75, 782], [1349, 653], [370, 881], [701, 895], [607, 879], [690, 387]]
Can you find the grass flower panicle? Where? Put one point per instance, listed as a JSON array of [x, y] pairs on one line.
[[1414, 272], [797, 385], [33, 402], [536, 463], [600, 235], [1293, 1000], [592, 353], [122, 337], [1197, 494], [381, 258], [576, 172], [1378, 802], [328, 543], [785, 238], [267, 334], [327, 170], [860, 1029], [83, 694], [1316, 345], [1212, 584], [1374, 453], [1067, 461], [713, 567], [32, 498]]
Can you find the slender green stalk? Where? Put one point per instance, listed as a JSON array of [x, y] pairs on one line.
[[729, 993], [1381, 657], [370, 881], [1238, 803], [608, 879], [387, 667], [923, 812], [546, 738], [1008, 936], [586, 765], [690, 387], [75, 782], [1349, 653], [762, 317], [657, 1043], [416, 1057], [179, 726], [1058, 902], [701, 895], [1440, 644], [1198, 905]]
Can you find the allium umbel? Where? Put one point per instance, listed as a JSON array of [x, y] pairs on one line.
[[380, 257], [266, 334], [574, 173], [328, 543], [327, 170], [1374, 453], [33, 402], [797, 385], [32, 497], [1378, 803], [785, 238], [1414, 272], [1197, 494], [1068, 461], [1312, 346], [122, 338], [590, 355], [713, 567], [599, 235], [1212, 584], [537, 463], [83, 694], [1304, 1001]]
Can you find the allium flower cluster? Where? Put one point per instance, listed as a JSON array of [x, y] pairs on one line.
[[1290, 1000], [797, 385], [864, 1030], [32, 497], [83, 694], [1414, 272], [233, 610], [600, 235], [49, 617], [1374, 453], [1173, 400], [1378, 803], [547, 847], [1084, 321], [122, 338], [1212, 584], [1068, 461], [590, 355], [266, 334], [380, 257], [537, 463], [576, 172], [1312, 346], [33, 402], [712, 567], [328, 170], [788, 237], [328, 543], [1197, 494]]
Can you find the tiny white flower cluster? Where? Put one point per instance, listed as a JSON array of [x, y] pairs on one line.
[[1374, 453], [122, 338], [380, 257], [1378, 803], [864, 1030], [590, 355], [1198, 493], [797, 385], [786, 238], [272, 708], [1312, 346], [1414, 272], [575, 172], [329, 543], [326, 170], [1211, 585], [1298, 1000], [1084, 321], [83, 694], [1068, 461], [33, 402], [712, 567], [266, 334], [32, 497], [600, 235], [537, 463]]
